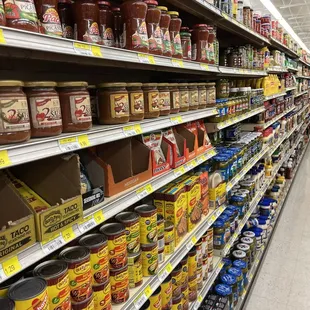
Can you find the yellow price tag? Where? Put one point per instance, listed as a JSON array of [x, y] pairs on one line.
[[99, 217], [148, 291], [194, 240], [96, 50], [179, 171], [178, 63], [176, 120], [11, 266], [68, 234], [200, 299], [83, 140], [4, 159], [213, 218], [204, 66], [81, 46], [169, 268], [144, 191], [67, 140], [225, 15], [148, 59], [132, 130], [2, 39], [149, 188]]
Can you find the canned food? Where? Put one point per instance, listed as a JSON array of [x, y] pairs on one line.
[[161, 243], [160, 225], [169, 238], [161, 256], [6, 304], [155, 300], [205, 269], [199, 253], [193, 290], [79, 271], [204, 245], [55, 273], [185, 301], [199, 278], [4, 287], [176, 275], [149, 259], [119, 280], [166, 294], [115, 232], [177, 302], [102, 296], [131, 221], [87, 304], [30, 293], [192, 264], [148, 223], [99, 256], [146, 305], [135, 270], [184, 264]]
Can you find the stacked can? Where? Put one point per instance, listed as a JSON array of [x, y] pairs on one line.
[[192, 274], [184, 283], [161, 238], [166, 294]]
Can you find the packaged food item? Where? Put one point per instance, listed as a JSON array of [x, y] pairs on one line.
[[136, 101], [106, 23], [153, 142], [102, 296], [151, 100], [174, 98], [166, 293], [55, 273], [156, 300], [176, 275], [65, 11], [177, 302], [200, 43], [75, 106], [135, 269], [165, 20], [15, 127], [184, 264], [6, 304], [169, 238], [169, 134], [117, 26], [2, 14], [186, 43], [87, 304], [184, 97], [160, 225], [119, 280], [164, 97], [194, 96], [149, 259], [174, 30]]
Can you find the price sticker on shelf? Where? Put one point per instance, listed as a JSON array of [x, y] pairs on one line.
[[177, 63], [201, 159], [68, 234], [99, 217], [225, 15], [140, 301], [82, 49], [144, 191], [52, 244], [11, 266], [4, 159], [2, 39], [146, 59], [96, 51], [87, 225], [204, 67], [68, 144], [133, 130], [200, 299], [176, 120], [148, 291], [179, 171], [192, 164], [213, 218], [194, 240], [83, 141]]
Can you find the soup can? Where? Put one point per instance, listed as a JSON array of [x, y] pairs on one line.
[[149, 259], [87, 304], [155, 300], [166, 293], [135, 270], [119, 280], [6, 304], [4, 287], [102, 296]]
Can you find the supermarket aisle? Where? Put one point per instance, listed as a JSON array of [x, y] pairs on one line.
[[284, 280]]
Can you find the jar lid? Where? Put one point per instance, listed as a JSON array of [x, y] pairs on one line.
[[134, 84], [173, 13], [192, 84], [200, 25], [183, 84], [72, 84], [163, 8], [65, 1], [163, 84], [151, 2], [104, 3], [185, 34], [174, 84], [186, 29], [41, 84], [103, 85], [116, 9], [149, 85], [210, 84], [11, 83], [201, 84]]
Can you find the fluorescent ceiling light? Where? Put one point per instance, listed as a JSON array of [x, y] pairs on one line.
[[277, 15]]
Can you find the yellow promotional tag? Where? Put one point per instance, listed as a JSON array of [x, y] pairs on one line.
[[4, 159], [149, 188], [2, 39], [99, 217], [178, 63], [83, 140], [200, 299], [68, 234], [169, 268], [67, 140], [204, 67], [138, 129], [179, 171], [132, 130], [194, 240], [213, 217], [148, 291], [96, 51], [144, 191], [11, 266], [176, 120], [147, 59], [225, 15]]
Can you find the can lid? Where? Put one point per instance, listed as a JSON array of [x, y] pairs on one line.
[[157, 291], [41, 84], [74, 253], [50, 269], [151, 2], [72, 84], [11, 83], [112, 229], [107, 3], [27, 288], [93, 240], [6, 304], [145, 209], [127, 217]]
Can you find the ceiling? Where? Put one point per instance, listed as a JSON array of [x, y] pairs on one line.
[[295, 12]]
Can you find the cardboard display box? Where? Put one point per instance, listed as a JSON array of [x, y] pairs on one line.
[[55, 184], [191, 142], [21, 235]]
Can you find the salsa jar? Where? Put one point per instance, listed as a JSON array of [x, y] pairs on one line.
[[49, 19], [164, 98], [174, 98], [153, 28], [113, 103], [75, 106], [184, 97], [106, 23], [86, 15], [164, 24], [211, 94], [135, 30], [202, 95], [44, 108], [151, 100], [21, 15], [211, 47], [136, 101], [186, 43], [117, 26], [200, 43], [14, 123], [65, 11], [174, 30], [194, 96]]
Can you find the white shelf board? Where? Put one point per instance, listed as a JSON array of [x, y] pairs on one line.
[[277, 69], [300, 94], [290, 88], [275, 96]]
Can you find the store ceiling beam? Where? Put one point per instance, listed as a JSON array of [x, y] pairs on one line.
[[292, 5]]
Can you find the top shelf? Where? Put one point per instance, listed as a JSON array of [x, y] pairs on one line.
[[283, 48]]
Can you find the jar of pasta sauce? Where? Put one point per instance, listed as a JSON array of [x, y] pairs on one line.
[[174, 98], [194, 96], [117, 26], [106, 23], [186, 43], [151, 100], [113, 103], [44, 108], [164, 98], [200, 36], [2, 14], [75, 106], [65, 11], [164, 24], [136, 101], [185, 98], [174, 29]]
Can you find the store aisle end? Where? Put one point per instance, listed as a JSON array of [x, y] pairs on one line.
[[283, 282]]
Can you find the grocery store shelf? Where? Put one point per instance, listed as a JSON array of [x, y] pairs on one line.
[[45, 147], [274, 96], [139, 295], [300, 94], [283, 48], [217, 266], [303, 77], [277, 70], [292, 69], [303, 62], [228, 71], [290, 88], [303, 109], [212, 127]]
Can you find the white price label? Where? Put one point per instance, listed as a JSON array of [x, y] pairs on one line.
[[88, 225], [2, 275], [132, 130], [179, 171], [69, 144], [189, 245], [176, 120], [163, 275], [145, 191], [139, 302], [196, 305], [53, 245]]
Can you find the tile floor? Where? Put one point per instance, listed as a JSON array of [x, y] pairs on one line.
[[283, 282]]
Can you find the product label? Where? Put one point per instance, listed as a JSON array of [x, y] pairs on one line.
[[176, 284], [45, 112], [39, 302], [107, 36], [166, 289], [167, 48], [119, 105], [194, 98], [155, 302], [51, 22], [176, 44], [164, 101], [100, 265], [184, 98], [1, 9], [92, 34], [136, 103], [176, 99], [150, 262], [153, 101], [194, 51], [155, 40], [203, 50], [14, 115], [135, 272], [20, 10], [192, 267], [140, 38], [102, 298], [202, 97], [80, 109], [148, 229], [133, 238], [120, 287], [67, 31], [117, 252]]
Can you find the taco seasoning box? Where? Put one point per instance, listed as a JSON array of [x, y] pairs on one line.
[[87, 304], [30, 293], [169, 238], [174, 98], [102, 296], [149, 259], [55, 273], [136, 101], [132, 228], [164, 98], [99, 256], [176, 275], [148, 223], [75, 106], [79, 271], [184, 97], [117, 245], [155, 300], [166, 293], [113, 103], [6, 304], [119, 281], [135, 269], [151, 100]]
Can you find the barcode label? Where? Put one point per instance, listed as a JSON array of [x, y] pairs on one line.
[[163, 275], [86, 226], [139, 302], [69, 144], [2, 276], [82, 49], [53, 245], [189, 245]]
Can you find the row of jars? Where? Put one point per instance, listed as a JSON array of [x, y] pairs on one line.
[[39, 109]]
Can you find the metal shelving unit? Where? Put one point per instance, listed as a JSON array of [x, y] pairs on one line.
[[267, 98], [302, 93], [283, 48], [290, 88], [277, 70]]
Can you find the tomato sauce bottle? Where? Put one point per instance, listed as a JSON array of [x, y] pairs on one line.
[[164, 24], [174, 29], [65, 11], [2, 14], [106, 23]]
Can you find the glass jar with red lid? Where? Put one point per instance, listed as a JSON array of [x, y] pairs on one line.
[[2, 14], [65, 11], [211, 48], [164, 24], [135, 30], [86, 17], [153, 28], [117, 26], [106, 23], [174, 29], [186, 43], [200, 36]]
